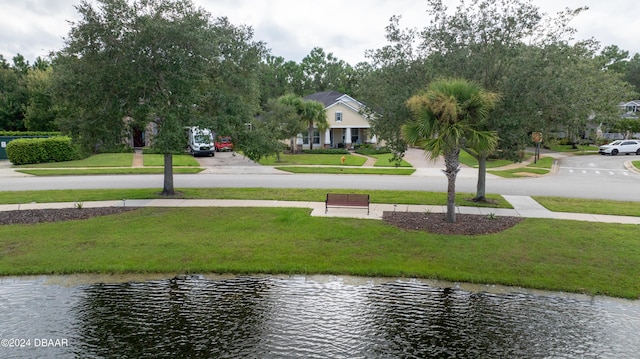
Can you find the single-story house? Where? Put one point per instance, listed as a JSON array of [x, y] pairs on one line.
[[348, 124]]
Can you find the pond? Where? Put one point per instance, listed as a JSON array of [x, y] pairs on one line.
[[304, 317]]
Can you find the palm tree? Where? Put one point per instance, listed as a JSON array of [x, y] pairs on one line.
[[311, 113], [314, 113], [447, 115]]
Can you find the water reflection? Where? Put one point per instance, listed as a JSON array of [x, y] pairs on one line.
[[310, 317]]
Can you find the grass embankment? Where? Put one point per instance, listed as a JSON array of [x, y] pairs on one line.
[[280, 194], [592, 258]]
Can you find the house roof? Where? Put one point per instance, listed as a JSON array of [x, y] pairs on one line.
[[328, 98], [331, 98]]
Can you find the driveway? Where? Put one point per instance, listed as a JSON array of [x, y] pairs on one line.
[[232, 162]]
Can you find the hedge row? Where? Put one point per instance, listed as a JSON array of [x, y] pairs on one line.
[[28, 133], [23, 151], [327, 151]]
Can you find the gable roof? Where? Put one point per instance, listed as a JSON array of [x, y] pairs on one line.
[[328, 98], [331, 98]]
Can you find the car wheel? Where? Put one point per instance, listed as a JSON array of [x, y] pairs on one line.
[[638, 152], [614, 152]]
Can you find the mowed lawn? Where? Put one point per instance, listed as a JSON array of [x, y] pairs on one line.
[[593, 258]]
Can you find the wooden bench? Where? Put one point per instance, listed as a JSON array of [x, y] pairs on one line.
[[346, 200]]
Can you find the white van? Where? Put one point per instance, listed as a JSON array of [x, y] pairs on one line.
[[200, 142]]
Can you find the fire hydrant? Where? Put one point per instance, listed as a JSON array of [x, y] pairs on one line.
[[342, 159]]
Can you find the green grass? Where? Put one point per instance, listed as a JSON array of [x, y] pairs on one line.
[[543, 162], [349, 170], [580, 150], [468, 160], [592, 206], [281, 194], [313, 159], [636, 164], [106, 171], [383, 161], [178, 160], [592, 258], [99, 160], [541, 167]]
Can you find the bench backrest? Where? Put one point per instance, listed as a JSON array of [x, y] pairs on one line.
[[352, 198]]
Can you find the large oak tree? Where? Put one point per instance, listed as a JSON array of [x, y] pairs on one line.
[[164, 62]]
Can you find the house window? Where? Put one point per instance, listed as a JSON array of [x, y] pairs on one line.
[[316, 137], [338, 116]]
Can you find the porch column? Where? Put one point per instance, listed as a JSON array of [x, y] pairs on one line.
[[374, 139], [299, 142], [327, 138], [347, 138]]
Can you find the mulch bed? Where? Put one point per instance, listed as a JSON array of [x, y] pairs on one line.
[[31, 216], [466, 224]]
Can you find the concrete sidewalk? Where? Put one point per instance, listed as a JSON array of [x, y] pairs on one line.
[[523, 206]]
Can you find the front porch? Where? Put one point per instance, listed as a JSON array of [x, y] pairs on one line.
[[347, 137]]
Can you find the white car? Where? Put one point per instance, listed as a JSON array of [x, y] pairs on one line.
[[620, 146]]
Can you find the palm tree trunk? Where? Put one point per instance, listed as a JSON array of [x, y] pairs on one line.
[[168, 189], [482, 179], [452, 167]]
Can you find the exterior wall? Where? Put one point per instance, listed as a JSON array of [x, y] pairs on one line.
[[350, 117]]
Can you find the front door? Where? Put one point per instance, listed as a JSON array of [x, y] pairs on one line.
[[138, 137]]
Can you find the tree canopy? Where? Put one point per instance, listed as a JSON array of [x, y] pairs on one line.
[[163, 62]]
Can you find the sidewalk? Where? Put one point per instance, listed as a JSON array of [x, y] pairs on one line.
[[523, 206]]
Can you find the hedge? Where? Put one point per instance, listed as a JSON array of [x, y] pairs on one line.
[[23, 151], [29, 133]]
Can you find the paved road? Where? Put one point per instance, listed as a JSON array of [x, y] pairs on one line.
[[427, 178]]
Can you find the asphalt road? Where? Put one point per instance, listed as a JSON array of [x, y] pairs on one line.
[[569, 181]]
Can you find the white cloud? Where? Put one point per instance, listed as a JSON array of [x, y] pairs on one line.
[[291, 28]]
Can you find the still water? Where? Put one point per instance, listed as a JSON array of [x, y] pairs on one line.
[[305, 317]]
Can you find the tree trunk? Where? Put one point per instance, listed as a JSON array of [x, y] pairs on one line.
[[481, 189], [168, 189], [452, 167], [310, 135]]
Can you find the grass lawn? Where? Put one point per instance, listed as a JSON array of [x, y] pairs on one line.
[[107, 171], [468, 160], [281, 194], [636, 164], [313, 159], [178, 160], [383, 161], [99, 160], [591, 258], [542, 167], [349, 170], [580, 150], [593, 206]]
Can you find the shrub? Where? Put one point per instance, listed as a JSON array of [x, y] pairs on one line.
[[368, 149], [327, 151], [29, 133], [24, 151]]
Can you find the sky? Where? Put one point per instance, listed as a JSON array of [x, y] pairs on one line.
[[291, 28]]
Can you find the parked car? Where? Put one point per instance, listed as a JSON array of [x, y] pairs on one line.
[[200, 141], [620, 146], [223, 143]]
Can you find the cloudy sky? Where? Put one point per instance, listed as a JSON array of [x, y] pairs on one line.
[[291, 28]]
